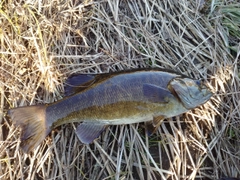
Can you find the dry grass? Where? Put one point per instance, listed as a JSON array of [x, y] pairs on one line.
[[45, 41]]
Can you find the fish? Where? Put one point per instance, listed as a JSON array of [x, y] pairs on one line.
[[99, 100]]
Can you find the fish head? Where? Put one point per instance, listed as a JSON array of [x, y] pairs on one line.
[[190, 92]]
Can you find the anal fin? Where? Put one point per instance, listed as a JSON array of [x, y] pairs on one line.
[[88, 131]]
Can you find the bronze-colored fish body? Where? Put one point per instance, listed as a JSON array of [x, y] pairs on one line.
[[119, 97], [111, 99]]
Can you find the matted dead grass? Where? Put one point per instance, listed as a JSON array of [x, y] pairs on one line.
[[43, 42]]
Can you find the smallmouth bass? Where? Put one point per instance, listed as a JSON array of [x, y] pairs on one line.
[[99, 100]]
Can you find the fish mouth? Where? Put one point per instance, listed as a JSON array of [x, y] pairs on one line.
[[191, 93]]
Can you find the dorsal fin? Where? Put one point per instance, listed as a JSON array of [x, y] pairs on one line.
[[75, 82]]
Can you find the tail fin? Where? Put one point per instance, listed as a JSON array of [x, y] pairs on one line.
[[32, 120]]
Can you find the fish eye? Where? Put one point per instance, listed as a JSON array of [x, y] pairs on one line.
[[198, 82]]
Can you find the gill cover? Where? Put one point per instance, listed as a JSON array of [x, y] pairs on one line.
[[191, 93]]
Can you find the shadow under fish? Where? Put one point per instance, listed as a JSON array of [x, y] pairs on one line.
[[99, 100]]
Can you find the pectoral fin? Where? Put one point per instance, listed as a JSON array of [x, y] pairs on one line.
[[87, 132], [156, 94], [152, 126], [73, 83]]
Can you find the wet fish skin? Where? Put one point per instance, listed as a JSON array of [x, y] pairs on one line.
[[120, 90], [111, 99]]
